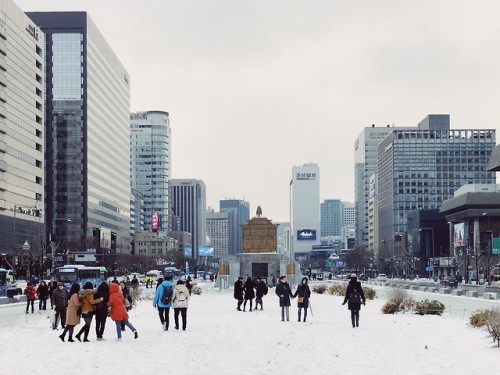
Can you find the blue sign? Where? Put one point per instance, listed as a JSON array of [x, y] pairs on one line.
[[306, 234]]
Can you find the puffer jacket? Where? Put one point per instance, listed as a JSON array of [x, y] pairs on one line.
[[72, 318], [180, 288], [159, 294], [43, 291], [30, 292], [60, 297], [88, 301], [117, 303]]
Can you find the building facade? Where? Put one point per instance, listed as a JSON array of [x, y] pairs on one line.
[[365, 165], [218, 232], [87, 135], [239, 214], [188, 207], [136, 216], [150, 166], [22, 133], [305, 207], [421, 167], [332, 217]]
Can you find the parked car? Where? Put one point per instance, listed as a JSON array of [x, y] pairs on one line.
[[363, 277], [382, 277], [449, 281]]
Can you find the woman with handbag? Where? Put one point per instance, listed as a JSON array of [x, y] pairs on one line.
[[304, 293], [88, 303]]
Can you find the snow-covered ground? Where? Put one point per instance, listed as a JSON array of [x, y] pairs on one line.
[[221, 340]]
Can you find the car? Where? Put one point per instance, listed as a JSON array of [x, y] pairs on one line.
[[363, 277], [382, 277], [449, 281]]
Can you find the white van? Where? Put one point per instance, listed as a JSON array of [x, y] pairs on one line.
[[155, 274]]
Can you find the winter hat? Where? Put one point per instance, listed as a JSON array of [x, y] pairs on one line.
[[353, 276], [59, 283]]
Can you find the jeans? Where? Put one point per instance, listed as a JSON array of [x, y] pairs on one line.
[[305, 313], [42, 304], [119, 327], [285, 310], [100, 324]]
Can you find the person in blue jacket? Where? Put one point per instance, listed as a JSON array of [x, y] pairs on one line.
[[164, 309]]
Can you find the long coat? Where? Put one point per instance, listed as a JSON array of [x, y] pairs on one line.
[[238, 290], [178, 288], [284, 292], [72, 318], [249, 292], [303, 291], [42, 291], [117, 303], [353, 284]]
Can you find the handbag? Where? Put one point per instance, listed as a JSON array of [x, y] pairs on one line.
[[300, 299]]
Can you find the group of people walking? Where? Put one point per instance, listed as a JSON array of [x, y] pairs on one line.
[[167, 296], [109, 300], [243, 292]]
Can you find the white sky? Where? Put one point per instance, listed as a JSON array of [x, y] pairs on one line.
[[221, 340], [256, 87]]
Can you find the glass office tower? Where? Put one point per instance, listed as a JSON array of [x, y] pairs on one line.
[[87, 125], [239, 214]]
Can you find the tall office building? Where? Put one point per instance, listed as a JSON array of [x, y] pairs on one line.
[[22, 132], [365, 165], [87, 135], [239, 214], [422, 167], [188, 207], [136, 216], [150, 165], [332, 217], [218, 232], [305, 207]]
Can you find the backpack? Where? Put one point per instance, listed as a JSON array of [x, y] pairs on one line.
[[181, 300], [355, 297], [166, 297]]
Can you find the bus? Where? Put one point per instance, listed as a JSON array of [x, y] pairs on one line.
[[173, 272], [76, 273]]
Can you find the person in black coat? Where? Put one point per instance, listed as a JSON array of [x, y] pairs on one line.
[[43, 294], [238, 292], [284, 292], [101, 309], [260, 291], [249, 292], [354, 296], [304, 293]]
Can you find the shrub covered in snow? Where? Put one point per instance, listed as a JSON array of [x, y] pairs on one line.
[[337, 290], [479, 318], [427, 307], [320, 289]]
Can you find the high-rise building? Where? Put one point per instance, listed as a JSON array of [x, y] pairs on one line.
[[305, 207], [87, 135], [218, 232], [22, 132], [421, 167], [239, 214], [349, 214], [188, 207], [136, 216], [332, 217], [150, 165], [365, 165]]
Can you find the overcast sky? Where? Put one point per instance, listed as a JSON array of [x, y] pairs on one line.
[[256, 87]]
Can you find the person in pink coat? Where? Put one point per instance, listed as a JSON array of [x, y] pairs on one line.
[[118, 310]]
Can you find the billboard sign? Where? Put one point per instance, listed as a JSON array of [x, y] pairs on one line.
[[306, 234], [459, 230], [155, 221]]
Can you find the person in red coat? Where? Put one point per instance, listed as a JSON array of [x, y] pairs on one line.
[[119, 313], [30, 292]]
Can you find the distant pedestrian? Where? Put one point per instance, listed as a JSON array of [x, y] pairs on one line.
[[43, 294], [158, 282], [60, 298], [260, 291], [238, 292], [101, 309], [354, 296], [284, 292], [128, 299], [52, 286], [249, 292], [72, 314], [303, 293], [180, 298], [189, 284], [30, 293], [164, 306], [118, 311]]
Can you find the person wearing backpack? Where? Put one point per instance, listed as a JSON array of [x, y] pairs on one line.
[[354, 296], [180, 301], [163, 301], [260, 292]]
